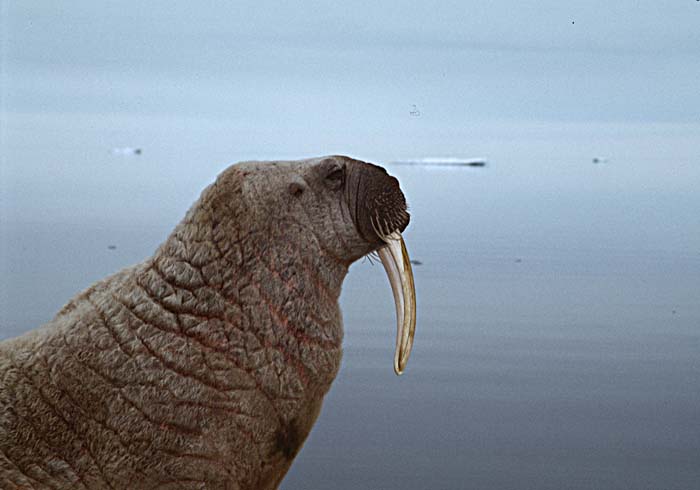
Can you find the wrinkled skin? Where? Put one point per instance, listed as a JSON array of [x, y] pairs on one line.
[[204, 366]]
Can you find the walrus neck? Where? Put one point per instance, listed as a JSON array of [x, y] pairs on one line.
[[224, 257], [266, 272], [222, 238]]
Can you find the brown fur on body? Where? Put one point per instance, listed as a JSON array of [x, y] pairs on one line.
[[204, 366]]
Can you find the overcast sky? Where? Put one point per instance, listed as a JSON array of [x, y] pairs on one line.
[[541, 60]]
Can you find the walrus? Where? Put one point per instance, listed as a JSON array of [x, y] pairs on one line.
[[205, 366]]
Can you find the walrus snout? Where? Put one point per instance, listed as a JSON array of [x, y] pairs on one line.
[[377, 205], [378, 210]]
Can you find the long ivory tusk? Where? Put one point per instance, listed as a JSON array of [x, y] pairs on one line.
[[397, 264]]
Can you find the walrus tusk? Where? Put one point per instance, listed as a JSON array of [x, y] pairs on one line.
[[397, 264]]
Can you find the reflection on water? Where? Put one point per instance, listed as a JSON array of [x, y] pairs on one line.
[[557, 343]]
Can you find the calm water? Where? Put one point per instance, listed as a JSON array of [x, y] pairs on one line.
[[558, 341]]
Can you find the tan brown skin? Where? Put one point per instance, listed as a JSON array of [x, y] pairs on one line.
[[204, 366]]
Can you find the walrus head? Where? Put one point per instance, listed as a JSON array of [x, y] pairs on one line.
[[348, 209]]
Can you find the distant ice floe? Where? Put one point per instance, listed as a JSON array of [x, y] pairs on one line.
[[126, 150], [443, 162]]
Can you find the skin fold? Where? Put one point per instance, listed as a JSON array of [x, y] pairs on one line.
[[204, 366]]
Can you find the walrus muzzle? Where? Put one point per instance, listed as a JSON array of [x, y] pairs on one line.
[[378, 208]]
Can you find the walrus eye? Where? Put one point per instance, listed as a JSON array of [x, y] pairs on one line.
[[296, 189], [336, 178]]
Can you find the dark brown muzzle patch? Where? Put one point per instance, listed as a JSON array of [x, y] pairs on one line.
[[377, 205]]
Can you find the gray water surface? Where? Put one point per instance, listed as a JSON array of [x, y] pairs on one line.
[[558, 336], [558, 331]]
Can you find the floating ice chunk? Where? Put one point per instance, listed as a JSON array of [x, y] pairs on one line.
[[444, 162], [126, 150]]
